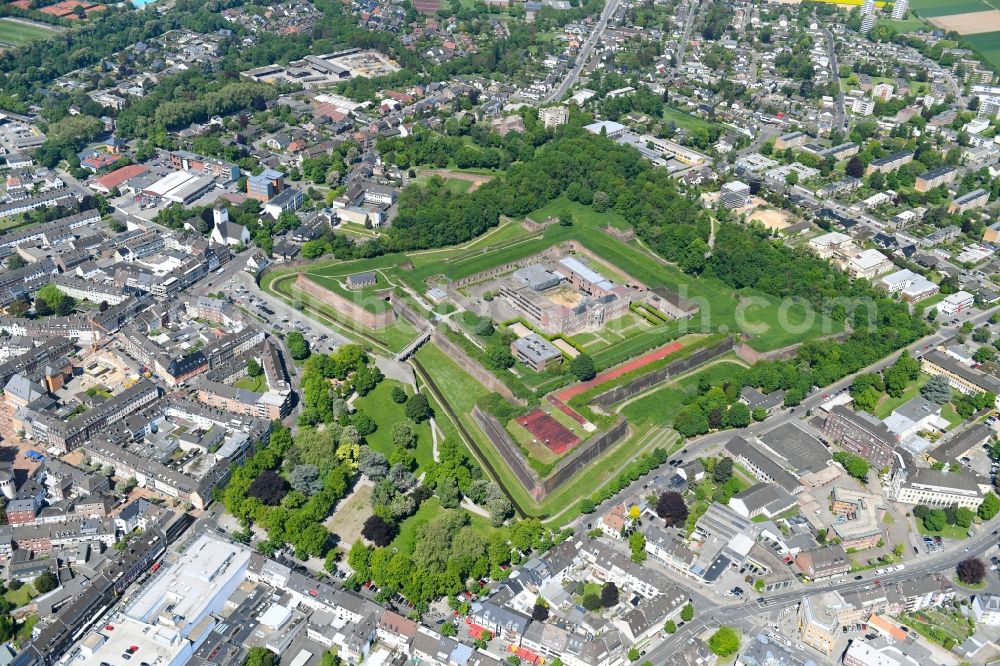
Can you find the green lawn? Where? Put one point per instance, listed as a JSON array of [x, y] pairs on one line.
[[22, 596], [255, 384], [660, 406], [453, 185], [685, 120], [887, 404], [911, 24], [379, 405], [19, 32], [406, 540], [949, 531], [949, 414]]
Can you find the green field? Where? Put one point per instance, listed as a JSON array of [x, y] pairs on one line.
[[987, 45], [929, 8], [406, 540], [911, 24], [15, 33], [255, 384], [660, 406], [463, 391], [685, 120], [379, 405]]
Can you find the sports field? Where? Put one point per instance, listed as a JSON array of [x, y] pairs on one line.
[[20, 31]]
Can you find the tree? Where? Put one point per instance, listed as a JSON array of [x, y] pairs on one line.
[[45, 583], [18, 308], [637, 544], [260, 656], [402, 434], [855, 167], [984, 354], [670, 627], [989, 506], [379, 531], [634, 654], [609, 595], [723, 470], [591, 601], [373, 464], [738, 416], [298, 346], [725, 642], [935, 520], [856, 466], [398, 395], [670, 506], [306, 479], [417, 408], [964, 516], [500, 510], [687, 613], [484, 328], [269, 487], [937, 390], [498, 357], [971, 571], [582, 367], [15, 262], [254, 369], [448, 493], [539, 613], [601, 201]]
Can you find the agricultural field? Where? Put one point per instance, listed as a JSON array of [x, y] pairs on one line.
[[987, 45], [21, 31], [930, 8]]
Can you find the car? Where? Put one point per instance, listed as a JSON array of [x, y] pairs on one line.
[[904, 628], [859, 578]]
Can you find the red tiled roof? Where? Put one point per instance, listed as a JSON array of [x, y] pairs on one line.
[[119, 176]]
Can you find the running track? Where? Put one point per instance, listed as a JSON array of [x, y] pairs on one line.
[[561, 399]]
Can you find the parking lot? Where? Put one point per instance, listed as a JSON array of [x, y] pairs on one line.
[[282, 319]]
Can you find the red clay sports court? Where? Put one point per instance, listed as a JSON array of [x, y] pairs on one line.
[[548, 431]]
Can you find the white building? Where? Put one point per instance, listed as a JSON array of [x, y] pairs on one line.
[[868, 264], [986, 608], [955, 303], [899, 9], [177, 610]]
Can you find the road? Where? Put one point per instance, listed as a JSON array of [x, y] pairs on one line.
[[584, 55], [727, 615], [840, 116], [692, 11]]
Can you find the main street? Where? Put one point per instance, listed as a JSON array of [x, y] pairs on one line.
[[941, 563], [840, 117], [584, 54]]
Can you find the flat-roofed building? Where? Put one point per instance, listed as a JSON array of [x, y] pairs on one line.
[[938, 488], [536, 352], [862, 435]]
